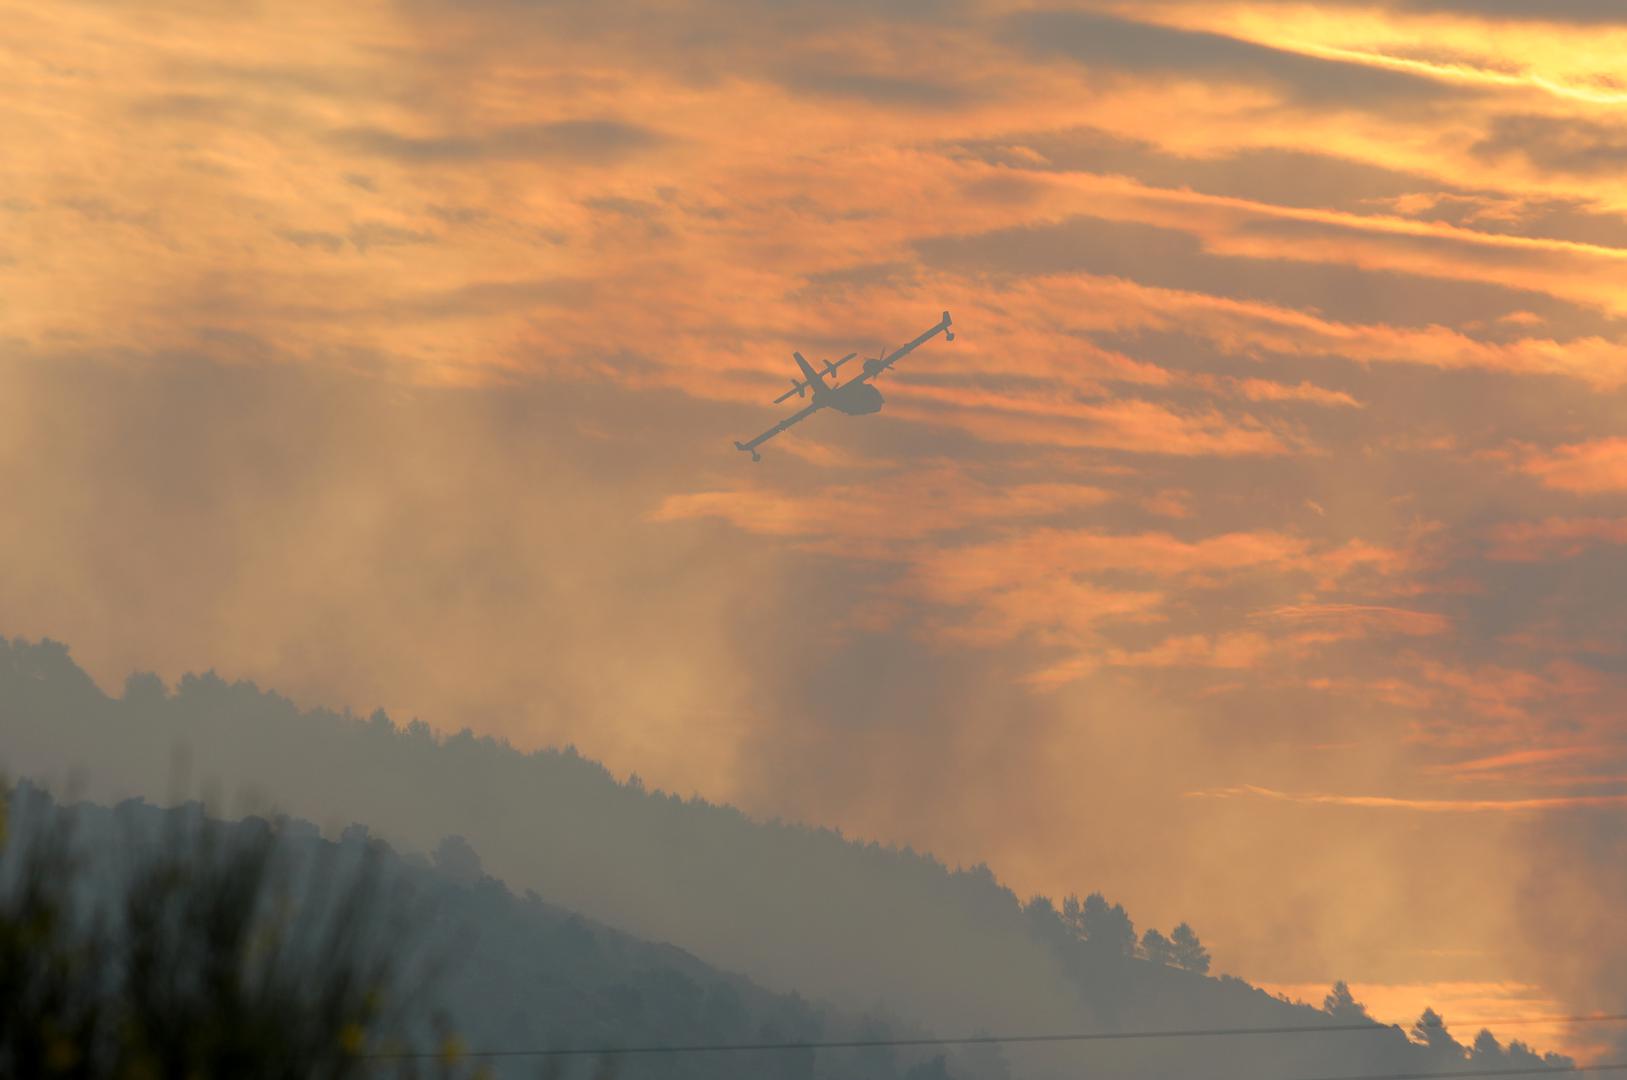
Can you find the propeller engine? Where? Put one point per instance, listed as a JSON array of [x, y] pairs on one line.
[[872, 365], [830, 368]]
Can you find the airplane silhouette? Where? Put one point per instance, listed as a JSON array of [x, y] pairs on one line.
[[856, 397]]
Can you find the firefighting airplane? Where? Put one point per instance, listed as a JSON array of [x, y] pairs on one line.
[[855, 397]]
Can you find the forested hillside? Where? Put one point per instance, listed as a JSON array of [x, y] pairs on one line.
[[474, 967], [794, 908]]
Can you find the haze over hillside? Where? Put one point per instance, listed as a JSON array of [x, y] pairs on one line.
[[794, 908], [469, 957]]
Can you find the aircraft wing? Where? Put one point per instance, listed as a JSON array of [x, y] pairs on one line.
[[799, 415], [831, 369], [904, 350]]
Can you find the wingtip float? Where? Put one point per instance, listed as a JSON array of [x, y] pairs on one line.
[[856, 397]]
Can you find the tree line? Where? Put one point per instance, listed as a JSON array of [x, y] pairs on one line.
[[1106, 932]]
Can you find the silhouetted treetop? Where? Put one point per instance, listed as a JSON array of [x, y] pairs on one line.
[[1342, 1005], [1104, 927], [1187, 951]]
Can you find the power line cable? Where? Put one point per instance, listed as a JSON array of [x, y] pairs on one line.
[[1069, 1037], [1527, 1070]]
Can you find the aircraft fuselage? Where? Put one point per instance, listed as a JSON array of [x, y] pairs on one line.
[[855, 399]]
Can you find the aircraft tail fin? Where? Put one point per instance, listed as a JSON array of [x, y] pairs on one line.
[[809, 373]]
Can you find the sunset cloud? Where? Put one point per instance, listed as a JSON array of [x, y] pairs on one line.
[[896, 508], [1356, 619], [1554, 538], [1429, 806], [1515, 760], [1106, 41], [1598, 466]]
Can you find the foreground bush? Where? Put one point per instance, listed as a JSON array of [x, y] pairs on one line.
[[209, 953]]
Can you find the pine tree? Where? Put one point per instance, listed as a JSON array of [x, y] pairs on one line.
[[1190, 955]]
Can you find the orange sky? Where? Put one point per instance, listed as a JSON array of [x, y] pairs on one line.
[[1253, 555]]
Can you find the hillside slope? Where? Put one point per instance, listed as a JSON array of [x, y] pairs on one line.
[[504, 972], [794, 908]]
